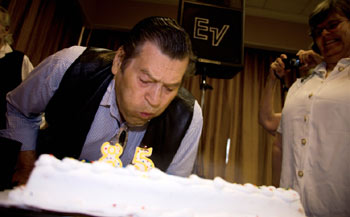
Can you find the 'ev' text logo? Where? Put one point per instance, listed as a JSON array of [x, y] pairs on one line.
[[201, 28]]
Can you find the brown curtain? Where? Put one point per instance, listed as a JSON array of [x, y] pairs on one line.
[[42, 27], [231, 112]]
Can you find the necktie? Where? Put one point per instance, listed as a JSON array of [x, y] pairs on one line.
[[122, 136]]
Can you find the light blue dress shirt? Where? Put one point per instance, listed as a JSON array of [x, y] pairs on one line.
[[27, 102]]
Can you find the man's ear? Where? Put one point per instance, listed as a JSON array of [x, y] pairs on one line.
[[118, 60]]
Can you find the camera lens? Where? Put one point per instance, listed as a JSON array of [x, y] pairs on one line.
[[292, 63]]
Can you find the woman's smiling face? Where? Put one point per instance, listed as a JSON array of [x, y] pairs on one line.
[[333, 38]]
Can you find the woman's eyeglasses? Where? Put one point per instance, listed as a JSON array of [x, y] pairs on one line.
[[331, 26]]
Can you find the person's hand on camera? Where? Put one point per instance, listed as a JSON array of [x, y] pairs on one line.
[[308, 59], [277, 68]]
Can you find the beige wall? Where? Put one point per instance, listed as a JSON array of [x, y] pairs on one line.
[[259, 32], [276, 35]]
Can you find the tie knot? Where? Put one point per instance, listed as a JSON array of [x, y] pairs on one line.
[[122, 136]]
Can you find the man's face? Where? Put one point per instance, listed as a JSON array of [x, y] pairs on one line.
[[148, 84], [333, 38]]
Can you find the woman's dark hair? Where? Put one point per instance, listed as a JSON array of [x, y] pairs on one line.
[[323, 10], [166, 33]]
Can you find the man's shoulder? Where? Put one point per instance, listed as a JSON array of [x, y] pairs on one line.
[[71, 51], [66, 56]]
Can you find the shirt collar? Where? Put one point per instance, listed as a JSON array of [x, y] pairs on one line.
[[5, 49], [321, 70], [109, 100]]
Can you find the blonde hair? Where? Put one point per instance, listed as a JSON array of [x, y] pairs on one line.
[[6, 36]]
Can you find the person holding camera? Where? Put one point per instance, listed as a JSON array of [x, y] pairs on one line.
[[313, 137], [269, 119], [306, 60]]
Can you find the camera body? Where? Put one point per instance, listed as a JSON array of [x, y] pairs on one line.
[[291, 63]]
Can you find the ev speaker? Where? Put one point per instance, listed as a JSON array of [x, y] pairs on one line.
[[216, 32]]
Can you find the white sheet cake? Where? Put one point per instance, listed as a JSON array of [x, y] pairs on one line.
[[100, 189]]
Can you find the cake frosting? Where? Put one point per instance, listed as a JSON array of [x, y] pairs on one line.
[[99, 189]]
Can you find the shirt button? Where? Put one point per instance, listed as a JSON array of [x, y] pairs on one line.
[[305, 118], [310, 95], [300, 173], [341, 68], [303, 141]]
